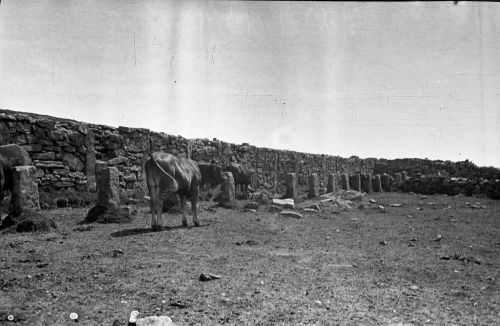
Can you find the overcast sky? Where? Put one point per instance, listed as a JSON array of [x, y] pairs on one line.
[[386, 80]]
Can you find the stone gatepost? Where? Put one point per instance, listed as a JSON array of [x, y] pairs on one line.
[[377, 183], [366, 183], [398, 178], [107, 208], [90, 158], [332, 185], [355, 182], [98, 167], [24, 191], [291, 185], [227, 188], [254, 180], [108, 187], [344, 181], [386, 182], [313, 185]]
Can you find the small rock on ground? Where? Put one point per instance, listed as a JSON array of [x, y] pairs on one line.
[[287, 203], [155, 321], [291, 214], [274, 209], [313, 207], [204, 277]]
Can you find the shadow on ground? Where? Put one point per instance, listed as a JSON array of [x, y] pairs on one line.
[[136, 231]]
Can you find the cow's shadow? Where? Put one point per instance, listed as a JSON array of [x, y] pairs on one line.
[[139, 231]]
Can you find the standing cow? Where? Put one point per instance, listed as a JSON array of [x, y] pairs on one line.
[[11, 156], [241, 174], [166, 175], [211, 173]]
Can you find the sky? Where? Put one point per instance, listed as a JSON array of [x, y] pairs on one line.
[[383, 80]]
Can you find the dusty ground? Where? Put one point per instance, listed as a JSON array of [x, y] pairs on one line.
[[357, 267]]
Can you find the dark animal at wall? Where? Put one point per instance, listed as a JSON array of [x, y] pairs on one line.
[[211, 173], [241, 176], [11, 156], [166, 175]]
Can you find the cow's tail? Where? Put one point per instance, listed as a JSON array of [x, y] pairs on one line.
[[166, 186]]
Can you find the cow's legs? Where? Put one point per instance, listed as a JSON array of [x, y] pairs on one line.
[[183, 210], [153, 200], [194, 199], [159, 207]]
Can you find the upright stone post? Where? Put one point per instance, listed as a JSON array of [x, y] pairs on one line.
[[377, 183], [227, 188], [313, 185], [24, 191], [332, 183], [25, 200], [291, 185], [99, 166], [107, 208], [355, 182], [398, 180], [344, 181], [386, 182], [254, 180], [275, 171], [366, 183], [90, 159], [108, 187]]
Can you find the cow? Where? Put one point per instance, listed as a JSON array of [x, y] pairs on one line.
[[241, 174], [211, 173], [11, 155], [166, 175]]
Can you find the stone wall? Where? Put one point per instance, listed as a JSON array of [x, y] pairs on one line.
[[59, 148], [414, 166], [66, 153]]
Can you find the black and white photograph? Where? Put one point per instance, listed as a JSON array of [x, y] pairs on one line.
[[168, 162]]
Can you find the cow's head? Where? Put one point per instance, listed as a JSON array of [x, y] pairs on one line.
[[217, 171]]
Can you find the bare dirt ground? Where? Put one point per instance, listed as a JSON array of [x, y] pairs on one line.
[[365, 266]]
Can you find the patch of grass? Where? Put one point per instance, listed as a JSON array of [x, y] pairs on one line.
[[50, 198], [30, 222]]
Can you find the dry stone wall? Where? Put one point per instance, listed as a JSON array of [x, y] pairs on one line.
[[67, 152], [58, 148]]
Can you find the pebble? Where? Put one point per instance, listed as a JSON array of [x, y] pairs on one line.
[[291, 214]]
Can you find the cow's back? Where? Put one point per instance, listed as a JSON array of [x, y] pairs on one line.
[[14, 155], [240, 173], [183, 170]]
